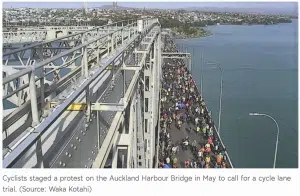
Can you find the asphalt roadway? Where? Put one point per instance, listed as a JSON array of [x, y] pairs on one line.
[[177, 135]]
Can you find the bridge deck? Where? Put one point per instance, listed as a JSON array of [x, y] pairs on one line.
[[188, 128], [177, 135], [174, 91]]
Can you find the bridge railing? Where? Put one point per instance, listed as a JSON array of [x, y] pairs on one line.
[[32, 28], [24, 36], [218, 135], [115, 43], [215, 129]]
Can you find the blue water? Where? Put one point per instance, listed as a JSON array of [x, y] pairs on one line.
[[260, 75]]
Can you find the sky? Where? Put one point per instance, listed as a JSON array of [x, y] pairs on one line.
[[286, 7]]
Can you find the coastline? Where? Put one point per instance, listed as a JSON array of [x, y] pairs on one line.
[[201, 32], [191, 37]]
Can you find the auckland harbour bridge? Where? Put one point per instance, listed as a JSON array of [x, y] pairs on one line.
[[83, 97]]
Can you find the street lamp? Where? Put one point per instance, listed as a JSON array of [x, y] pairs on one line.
[[221, 93], [259, 114], [201, 63]]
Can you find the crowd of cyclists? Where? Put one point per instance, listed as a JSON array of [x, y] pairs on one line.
[[183, 109]]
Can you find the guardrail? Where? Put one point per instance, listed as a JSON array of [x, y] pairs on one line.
[[216, 131]]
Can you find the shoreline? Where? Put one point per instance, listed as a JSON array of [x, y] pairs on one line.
[[209, 33], [199, 32], [192, 37]]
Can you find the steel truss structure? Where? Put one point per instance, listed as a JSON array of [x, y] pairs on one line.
[[39, 34], [121, 129], [47, 62], [60, 58]]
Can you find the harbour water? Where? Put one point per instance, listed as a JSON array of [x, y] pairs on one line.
[[260, 64]]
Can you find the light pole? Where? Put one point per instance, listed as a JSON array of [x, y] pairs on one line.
[[221, 93], [201, 84], [259, 114], [201, 68]]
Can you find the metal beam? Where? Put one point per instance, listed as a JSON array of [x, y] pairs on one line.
[[113, 133], [72, 107], [164, 57], [175, 55], [108, 141], [107, 107], [131, 68], [141, 51]]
